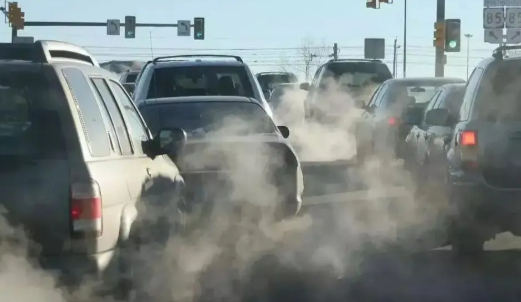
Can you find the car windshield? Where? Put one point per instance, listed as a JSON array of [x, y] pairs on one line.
[[222, 118], [28, 128], [357, 74], [269, 81], [499, 95], [197, 80]]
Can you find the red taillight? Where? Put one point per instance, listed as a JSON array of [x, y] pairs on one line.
[[468, 138], [392, 121], [86, 209]]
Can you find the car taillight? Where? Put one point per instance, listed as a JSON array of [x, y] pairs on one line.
[[392, 121], [468, 142], [468, 138], [86, 210]]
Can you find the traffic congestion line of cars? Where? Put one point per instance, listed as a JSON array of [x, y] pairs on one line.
[[460, 140], [81, 158]]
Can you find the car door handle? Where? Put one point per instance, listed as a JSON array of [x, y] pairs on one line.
[[149, 172]]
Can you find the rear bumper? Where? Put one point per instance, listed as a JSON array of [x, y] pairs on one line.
[[72, 269]]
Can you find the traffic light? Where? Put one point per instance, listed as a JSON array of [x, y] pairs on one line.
[[439, 35], [375, 4], [15, 15], [198, 28], [453, 35], [130, 27]]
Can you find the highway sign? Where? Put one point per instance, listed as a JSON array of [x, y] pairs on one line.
[[113, 27], [498, 3], [493, 36], [374, 48], [184, 28], [493, 18], [513, 36], [513, 17]]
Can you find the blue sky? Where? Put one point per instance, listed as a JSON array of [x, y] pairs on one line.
[[266, 33]]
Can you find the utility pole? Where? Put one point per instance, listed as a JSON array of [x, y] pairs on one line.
[[440, 48], [395, 50], [335, 51], [405, 38], [468, 36]]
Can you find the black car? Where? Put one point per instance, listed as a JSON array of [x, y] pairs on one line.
[[211, 163], [484, 155], [391, 113]]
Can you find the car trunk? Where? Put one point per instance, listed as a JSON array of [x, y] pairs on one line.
[[216, 169], [35, 195]]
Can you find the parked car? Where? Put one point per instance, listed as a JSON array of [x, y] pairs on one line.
[[388, 117], [75, 161]]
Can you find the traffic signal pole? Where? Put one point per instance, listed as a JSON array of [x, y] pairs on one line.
[[439, 70]]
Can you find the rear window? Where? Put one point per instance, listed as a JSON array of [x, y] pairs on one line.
[[201, 118], [357, 74], [499, 94], [269, 81], [29, 127], [200, 81], [453, 101], [418, 94]]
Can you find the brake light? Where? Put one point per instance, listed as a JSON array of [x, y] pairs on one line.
[[468, 138], [86, 210], [392, 121]]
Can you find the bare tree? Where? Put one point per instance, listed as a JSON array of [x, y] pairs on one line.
[[311, 54]]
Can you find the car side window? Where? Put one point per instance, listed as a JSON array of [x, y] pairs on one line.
[[314, 82], [115, 115], [375, 95], [138, 129], [470, 92], [89, 112], [381, 95], [434, 100]]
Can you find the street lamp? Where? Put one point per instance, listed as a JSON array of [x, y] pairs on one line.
[[468, 36]]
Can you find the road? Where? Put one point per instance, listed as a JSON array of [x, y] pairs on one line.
[[365, 259]]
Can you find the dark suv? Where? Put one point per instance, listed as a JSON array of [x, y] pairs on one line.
[[484, 154], [358, 79]]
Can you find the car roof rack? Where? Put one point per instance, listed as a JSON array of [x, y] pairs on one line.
[[499, 53], [46, 51], [167, 58], [355, 60]]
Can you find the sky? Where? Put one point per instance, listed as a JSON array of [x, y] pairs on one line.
[[268, 34]]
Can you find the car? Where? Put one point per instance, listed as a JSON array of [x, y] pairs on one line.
[[356, 78], [128, 80], [391, 113], [76, 158], [268, 80], [426, 143], [484, 158], [214, 148], [198, 75]]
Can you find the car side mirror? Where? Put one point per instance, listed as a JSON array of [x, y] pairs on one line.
[[439, 117], [360, 104], [170, 141], [284, 131], [412, 116], [304, 86]]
